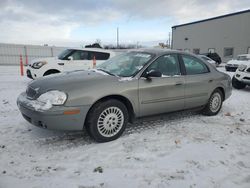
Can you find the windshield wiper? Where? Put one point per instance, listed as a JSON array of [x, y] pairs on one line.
[[106, 72]]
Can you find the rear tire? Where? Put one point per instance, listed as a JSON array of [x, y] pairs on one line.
[[107, 120], [214, 103], [237, 84]]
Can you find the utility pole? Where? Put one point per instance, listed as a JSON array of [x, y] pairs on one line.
[[169, 43], [117, 37]]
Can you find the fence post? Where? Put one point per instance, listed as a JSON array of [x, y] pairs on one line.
[[21, 65], [26, 55], [26, 60], [94, 62], [52, 53]]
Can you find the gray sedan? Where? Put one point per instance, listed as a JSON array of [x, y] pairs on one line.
[[134, 84]]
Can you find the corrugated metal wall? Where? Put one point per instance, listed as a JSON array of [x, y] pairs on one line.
[[219, 34], [10, 53]]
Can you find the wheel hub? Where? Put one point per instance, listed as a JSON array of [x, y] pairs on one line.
[[110, 121], [215, 102]]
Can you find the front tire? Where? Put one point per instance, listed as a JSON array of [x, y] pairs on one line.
[[237, 84], [107, 120], [214, 103]]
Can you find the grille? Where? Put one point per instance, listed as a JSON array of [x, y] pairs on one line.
[[31, 93]]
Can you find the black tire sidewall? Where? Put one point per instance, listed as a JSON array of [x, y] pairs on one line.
[[94, 115], [237, 84]]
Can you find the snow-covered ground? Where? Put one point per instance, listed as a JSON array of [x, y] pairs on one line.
[[182, 149]]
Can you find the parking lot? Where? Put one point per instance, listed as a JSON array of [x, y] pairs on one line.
[[183, 149]]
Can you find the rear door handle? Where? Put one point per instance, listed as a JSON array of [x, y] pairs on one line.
[[210, 81]]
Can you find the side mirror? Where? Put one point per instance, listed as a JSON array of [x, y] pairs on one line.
[[153, 73], [70, 58]]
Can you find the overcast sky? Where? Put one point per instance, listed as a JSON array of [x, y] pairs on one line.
[[79, 22]]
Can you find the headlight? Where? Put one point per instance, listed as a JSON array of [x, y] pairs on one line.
[[242, 67], [53, 97], [39, 64]]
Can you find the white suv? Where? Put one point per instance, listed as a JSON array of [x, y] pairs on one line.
[[233, 64], [241, 77], [69, 60]]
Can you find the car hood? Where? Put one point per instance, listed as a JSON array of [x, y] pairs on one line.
[[68, 81], [47, 59], [237, 62]]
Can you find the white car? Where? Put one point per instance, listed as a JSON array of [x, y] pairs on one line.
[[209, 60], [233, 64], [69, 60], [241, 77]]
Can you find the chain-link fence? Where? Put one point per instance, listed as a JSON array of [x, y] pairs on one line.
[[10, 53]]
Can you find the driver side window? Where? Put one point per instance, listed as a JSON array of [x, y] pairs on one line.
[[168, 65], [80, 55]]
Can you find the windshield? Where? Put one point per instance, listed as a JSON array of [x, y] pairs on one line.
[[243, 58], [64, 53], [127, 64]]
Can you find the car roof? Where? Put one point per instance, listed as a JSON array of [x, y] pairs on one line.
[[204, 56], [156, 51], [92, 49]]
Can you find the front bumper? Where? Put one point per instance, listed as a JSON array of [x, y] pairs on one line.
[[243, 77], [231, 68], [53, 118], [34, 73]]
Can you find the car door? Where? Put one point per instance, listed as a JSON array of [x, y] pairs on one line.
[[165, 93], [198, 81], [78, 60]]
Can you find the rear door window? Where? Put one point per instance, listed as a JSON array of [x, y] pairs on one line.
[[99, 55], [194, 65]]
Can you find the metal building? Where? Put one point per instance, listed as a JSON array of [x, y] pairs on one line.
[[10, 53], [228, 35]]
